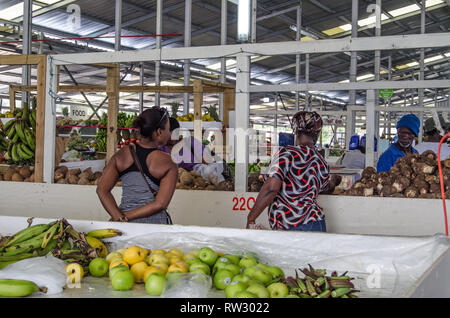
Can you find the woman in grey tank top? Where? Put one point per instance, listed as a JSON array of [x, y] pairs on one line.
[[138, 203]]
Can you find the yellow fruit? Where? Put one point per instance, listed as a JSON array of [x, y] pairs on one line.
[[189, 256], [182, 264], [75, 272], [146, 251], [98, 245], [157, 258], [115, 259], [112, 256], [174, 258], [133, 255], [117, 263], [150, 270], [176, 252], [159, 251], [138, 271], [177, 267], [121, 251], [162, 266], [194, 252]]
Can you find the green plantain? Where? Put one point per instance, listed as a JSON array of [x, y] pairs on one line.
[[28, 233], [18, 288]]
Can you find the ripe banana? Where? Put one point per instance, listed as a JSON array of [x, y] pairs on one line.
[[104, 233], [18, 288], [97, 245], [28, 233]]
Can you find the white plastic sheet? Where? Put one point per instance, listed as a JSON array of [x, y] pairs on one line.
[[382, 266], [46, 271]]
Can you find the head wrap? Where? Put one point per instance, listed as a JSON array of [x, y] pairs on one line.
[[306, 122], [411, 122]]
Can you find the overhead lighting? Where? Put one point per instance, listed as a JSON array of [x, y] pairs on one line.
[[14, 11], [243, 24]]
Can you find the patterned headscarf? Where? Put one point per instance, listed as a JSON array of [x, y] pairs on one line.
[[306, 122]]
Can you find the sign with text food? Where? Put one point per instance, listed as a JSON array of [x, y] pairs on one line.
[[79, 112]]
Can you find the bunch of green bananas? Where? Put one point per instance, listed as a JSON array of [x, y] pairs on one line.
[[3, 142], [21, 135], [101, 140], [57, 238]]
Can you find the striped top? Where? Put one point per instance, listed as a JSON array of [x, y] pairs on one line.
[[304, 174]]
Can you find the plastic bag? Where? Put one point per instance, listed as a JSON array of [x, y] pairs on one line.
[[211, 172], [191, 285], [46, 271]]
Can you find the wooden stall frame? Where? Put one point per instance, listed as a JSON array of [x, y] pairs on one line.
[[41, 62], [113, 89]]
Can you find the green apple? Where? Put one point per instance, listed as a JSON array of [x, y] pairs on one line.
[[234, 287], [247, 262], [174, 275], [122, 280], [191, 261], [236, 270], [277, 290], [155, 284], [242, 278], [262, 276], [249, 271], [258, 289], [218, 265], [116, 269], [222, 278], [274, 270], [233, 258], [208, 256], [200, 266], [199, 271], [245, 294], [98, 267]]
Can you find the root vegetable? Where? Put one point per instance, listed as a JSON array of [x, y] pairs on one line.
[[368, 172], [25, 172], [59, 174], [83, 181], [16, 177], [426, 196], [186, 179], [368, 192], [387, 191], [435, 188], [61, 181], [428, 154], [411, 192], [447, 162], [74, 172], [430, 178], [423, 168], [8, 175], [73, 179], [397, 195], [400, 183]]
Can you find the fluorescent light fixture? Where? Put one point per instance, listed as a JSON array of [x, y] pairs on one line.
[[364, 77], [243, 25], [433, 58], [14, 11], [266, 99]]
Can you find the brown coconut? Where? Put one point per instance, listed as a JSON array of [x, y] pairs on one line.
[[73, 179], [8, 175], [25, 172]]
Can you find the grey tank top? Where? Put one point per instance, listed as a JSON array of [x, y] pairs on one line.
[[135, 192]]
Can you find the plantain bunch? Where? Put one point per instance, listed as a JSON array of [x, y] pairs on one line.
[[316, 284]]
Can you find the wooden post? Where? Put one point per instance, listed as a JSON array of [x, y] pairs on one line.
[[198, 101], [112, 90], [12, 99], [40, 121]]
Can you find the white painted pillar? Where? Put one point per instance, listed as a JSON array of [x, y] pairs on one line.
[[50, 122], [370, 128], [242, 121]]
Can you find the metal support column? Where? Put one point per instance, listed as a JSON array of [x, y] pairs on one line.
[[141, 82], [298, 37], [118, 25], [422, 68], [377, 66], [242, 121], [370, 127], [350, 125], [159, 6], [307, 104], [187, 43], [26, 46], [223, 61], [254, 10]]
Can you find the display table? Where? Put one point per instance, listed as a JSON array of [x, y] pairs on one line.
[[403, 266]]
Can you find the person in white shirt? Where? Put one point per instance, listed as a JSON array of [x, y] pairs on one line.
[[433, 137], [355, 159]]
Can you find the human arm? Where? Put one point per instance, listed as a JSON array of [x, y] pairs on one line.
[[335, 180], [265, 196], [167, 171], [109, 178]]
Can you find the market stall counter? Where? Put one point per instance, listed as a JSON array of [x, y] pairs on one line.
[[382, 266]]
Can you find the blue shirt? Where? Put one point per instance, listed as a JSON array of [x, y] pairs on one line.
[[390, 157]]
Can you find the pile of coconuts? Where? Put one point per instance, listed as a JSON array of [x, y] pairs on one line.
[[64, 175], [412, 176], [18, 174], [192, 180]]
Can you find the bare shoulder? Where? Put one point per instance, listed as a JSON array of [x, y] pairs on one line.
[[163, 159]]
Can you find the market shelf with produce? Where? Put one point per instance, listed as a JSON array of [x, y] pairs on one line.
[[405, 265]]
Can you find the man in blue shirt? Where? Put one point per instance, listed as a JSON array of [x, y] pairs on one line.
[[407, 129]]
